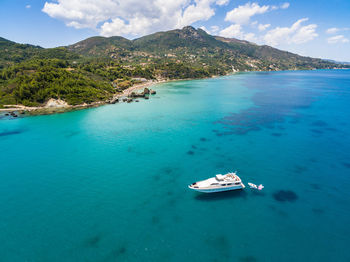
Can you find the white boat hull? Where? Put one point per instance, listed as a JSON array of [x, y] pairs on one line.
[[222, 189]]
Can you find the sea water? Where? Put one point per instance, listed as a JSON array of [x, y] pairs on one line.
[[110, 183]]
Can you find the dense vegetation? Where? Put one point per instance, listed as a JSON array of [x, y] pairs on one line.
[[96, 68], [196, 48], [35, 81]]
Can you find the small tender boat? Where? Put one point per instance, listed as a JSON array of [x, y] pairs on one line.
[[219, 183], [253, 186]]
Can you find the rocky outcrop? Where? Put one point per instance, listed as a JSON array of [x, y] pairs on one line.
[[144, 94], [56, 103], [146, 91], [114, 100]]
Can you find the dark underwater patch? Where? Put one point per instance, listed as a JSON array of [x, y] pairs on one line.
[[331, 129], [167, 170], [10, 133], [299, 169], [316, 131], [190, 152], [278, 211], [272, 106], [315, 186], [92, 241], [116, 253], [219, 243], [220, 165], [285, 196], [346, 164], [248, 259], [203, 139], [294, 121], [319, 123], [155, 220], [194, 147], [72, 133], [172, 202], [177, 218], [156, 177], [318, 211], [276, 134], [313, 160]]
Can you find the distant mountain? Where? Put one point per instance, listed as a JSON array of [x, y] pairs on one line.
[[195, 46], [11, 53], [97, 68], [337, 62]]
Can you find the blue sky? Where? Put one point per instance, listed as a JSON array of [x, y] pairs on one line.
[[313, 28]]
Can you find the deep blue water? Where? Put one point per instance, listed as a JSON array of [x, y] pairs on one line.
[[110, 183]]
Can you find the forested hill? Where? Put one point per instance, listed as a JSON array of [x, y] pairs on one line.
[[196, 47], [96, 68]]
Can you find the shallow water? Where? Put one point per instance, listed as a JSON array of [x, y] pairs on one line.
[[110, 183]]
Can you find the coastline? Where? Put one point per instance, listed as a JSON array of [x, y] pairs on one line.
[[64, 107], [59, 108]]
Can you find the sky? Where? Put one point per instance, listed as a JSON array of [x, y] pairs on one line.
[[316, 28]]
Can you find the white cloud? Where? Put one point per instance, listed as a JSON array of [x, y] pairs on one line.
[[243, 13], [296, 34], [132, 17], [335, 30], [205, 29], [235, 31], [222, 2], [337, 39], [332, 30], [250, 37], [28, 6], [262, 27], [214, 29], [284, 5], [231, 31]]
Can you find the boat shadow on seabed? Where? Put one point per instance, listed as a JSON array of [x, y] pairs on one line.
[[221, 195]]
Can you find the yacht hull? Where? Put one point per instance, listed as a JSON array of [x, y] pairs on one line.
[[215, 190]]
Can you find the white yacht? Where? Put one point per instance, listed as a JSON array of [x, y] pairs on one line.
[[219, 183]]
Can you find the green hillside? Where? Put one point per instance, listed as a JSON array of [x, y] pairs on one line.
[[196, 48], [96, 68]]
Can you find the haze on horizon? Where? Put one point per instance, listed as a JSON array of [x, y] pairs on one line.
[[300, 27]]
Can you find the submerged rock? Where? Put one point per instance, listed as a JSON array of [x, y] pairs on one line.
[[285, 195], [153, 92]]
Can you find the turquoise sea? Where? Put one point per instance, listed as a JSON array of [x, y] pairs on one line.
[[110, 183]]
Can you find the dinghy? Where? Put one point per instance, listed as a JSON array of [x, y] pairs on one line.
[[253, 186]]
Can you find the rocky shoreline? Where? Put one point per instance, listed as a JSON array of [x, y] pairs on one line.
[[54, 106]]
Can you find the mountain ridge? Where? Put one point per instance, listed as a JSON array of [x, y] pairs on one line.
[[197, 47], [98, 68]]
